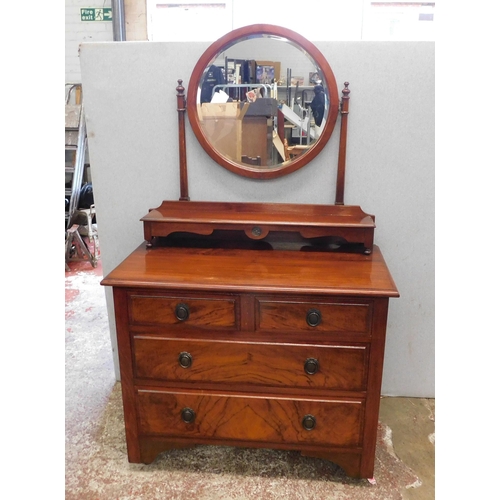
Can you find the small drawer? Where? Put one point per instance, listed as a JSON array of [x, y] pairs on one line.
[[183, 311], [340, 367], [298, 316], [260, 419]]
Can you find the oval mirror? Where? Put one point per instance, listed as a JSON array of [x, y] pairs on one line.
[[262, 101]]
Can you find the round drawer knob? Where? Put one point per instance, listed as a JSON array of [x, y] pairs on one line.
[[309, 422], [313, 317], [311, 366], [256, 231], [188, 415], [182, 312], [185, 359]]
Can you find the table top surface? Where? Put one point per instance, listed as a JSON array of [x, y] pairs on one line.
[[256, 271]]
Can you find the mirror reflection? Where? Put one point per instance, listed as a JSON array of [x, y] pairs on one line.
[[262, 101]]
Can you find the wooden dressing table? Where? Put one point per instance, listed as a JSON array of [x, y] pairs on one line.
[[250, 324]]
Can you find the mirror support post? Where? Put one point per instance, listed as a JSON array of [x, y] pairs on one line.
[[181, 111], [344, 112]]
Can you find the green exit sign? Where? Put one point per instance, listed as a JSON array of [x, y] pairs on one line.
[[96, 14]]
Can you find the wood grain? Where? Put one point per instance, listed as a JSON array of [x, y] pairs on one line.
[[335, 316], [205, 313], [342, 367], [230, 418], [248, 339], [255, 271], [347, 222]]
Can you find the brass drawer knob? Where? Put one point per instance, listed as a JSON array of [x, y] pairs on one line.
[[182, 312], [311, 366], [313, 317], [188, 415], [309, 422], [185, 359]]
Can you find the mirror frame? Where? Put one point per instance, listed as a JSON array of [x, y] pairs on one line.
[[224, 43]]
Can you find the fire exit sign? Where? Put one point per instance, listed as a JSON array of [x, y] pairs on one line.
[[96, 14]]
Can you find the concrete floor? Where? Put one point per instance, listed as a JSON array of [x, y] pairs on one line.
[[412, 423], [97, 466]]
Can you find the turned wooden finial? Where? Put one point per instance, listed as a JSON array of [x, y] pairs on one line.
[[181, 98], [180, 89], [346, 91]]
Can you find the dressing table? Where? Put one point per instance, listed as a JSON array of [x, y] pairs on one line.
[[255, 324]]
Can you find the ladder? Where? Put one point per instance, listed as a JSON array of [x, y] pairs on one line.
[[78, 221], [76, 146]]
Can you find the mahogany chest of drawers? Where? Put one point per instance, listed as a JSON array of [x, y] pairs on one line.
[[255, 348]]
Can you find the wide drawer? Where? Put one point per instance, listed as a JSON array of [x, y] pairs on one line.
[[264, 419], [183, 311], [342, 367], [341, 316]]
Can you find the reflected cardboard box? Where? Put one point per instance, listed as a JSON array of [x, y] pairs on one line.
[[222, 125]]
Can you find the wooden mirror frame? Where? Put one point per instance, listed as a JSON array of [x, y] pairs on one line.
[[300, 42]]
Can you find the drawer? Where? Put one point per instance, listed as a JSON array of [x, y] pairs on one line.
[[302, 316], [262, 419], [183, 311], [342, 367]]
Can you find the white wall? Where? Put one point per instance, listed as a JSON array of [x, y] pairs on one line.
[[352, 20], [78, 31], [129, 96]]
